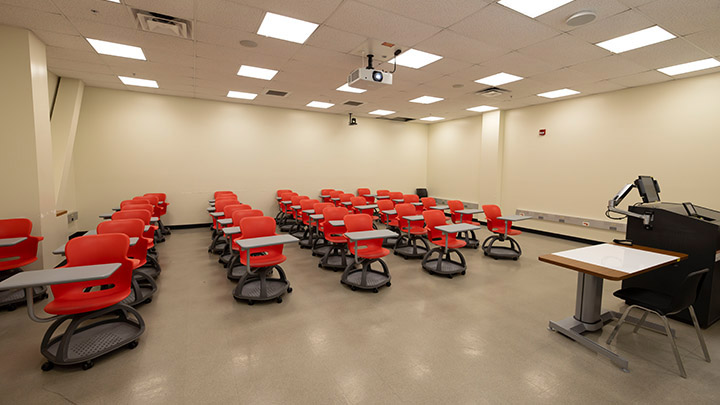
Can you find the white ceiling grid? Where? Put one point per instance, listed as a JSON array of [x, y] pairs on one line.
[[477, 38]]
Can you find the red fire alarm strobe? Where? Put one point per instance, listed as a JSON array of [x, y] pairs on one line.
[[542, 132]]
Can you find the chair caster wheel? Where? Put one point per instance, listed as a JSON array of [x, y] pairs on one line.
[[515, 258], [320, 265], [147, 301], [406, 258], [463, 272], [132, 344], [485, 253], [44, 296], [395, 253], [47, 366], [289, 290], [449, 276], [279, 300], [375, 290], [352, 287], [251, 302], [388, 284], [88, 365], [11, 307]]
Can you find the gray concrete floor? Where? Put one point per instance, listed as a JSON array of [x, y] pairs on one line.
[[479, 338]]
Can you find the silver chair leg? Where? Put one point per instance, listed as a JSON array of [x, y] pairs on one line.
[[700, 336], [619, 324], [640, 322], [683, 374]]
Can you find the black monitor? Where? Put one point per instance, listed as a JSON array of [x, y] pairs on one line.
[[648, 188]]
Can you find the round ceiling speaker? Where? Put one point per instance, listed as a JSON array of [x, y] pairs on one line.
[[581, 18]]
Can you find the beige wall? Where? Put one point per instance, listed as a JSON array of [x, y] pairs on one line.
[[129, 143]]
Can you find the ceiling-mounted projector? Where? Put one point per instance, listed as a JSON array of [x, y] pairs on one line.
[[368, 77]]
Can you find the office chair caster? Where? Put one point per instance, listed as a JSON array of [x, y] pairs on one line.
[[88, 365], [47, 366], [279, 300], [132, 344], [289, 290]]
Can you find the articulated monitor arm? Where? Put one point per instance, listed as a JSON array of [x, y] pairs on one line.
[[615, 201]]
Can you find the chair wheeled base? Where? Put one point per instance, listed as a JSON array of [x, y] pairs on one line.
[[409, 249], [444, 265], [471, 241], [361, 275], [142, 289], [336, 258], [501, 252], [320, 247], [163, 229], [256, 286], [152, 268], [81, 342]]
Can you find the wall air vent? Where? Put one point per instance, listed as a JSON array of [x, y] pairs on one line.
[[353, 103], [399, 119], [492, 92], [276, 93], [163, 24]]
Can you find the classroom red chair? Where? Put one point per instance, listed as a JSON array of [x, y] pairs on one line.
[[16, 255], [256, 284], [285, 220], [471, 240], [220, 243], [145, 216], [325, 194], [428, 202], [390, 220], [447, 245], [364, 192], [99, 321], [335, 197], [359, 273], [305, 240], [383, 193], [133, 229], [336, 257], [278, 195], [415, 201], [218, 194], [234, 270], [408, 244], [148, 207], [161, 210], [397, 197], [220, 205], [502, 231], [296, 228], [143, 287], [345, 201], [320, 246]]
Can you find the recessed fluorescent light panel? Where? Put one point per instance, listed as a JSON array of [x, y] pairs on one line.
[[636, 40], [382, 112], [286, 28], [114, 1], [431, 118], [319, 104], [415, 59], [349, 89], [559, 93], [133, 81], [533, 8], [241, 95], [690, 67], [426, 100], [482, 108], [115, 49], [498, 79], [256, 72]]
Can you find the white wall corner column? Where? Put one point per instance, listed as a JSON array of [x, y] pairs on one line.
[[26, 156], [491, 157]]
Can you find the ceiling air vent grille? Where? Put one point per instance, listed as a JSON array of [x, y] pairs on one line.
[[492, 92], [399, 119], [353, 103], [163, 24], [276, 93]]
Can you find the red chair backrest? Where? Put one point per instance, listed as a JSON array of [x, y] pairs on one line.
[[434, 218], [22, 253], [404, 210], [396, 195], [455, 205], [281, 192], [221, 193], [221, 204], [257, 227], [358, 201], [411, 198], [144, 215], [336, 193], [326, 191], [383, 192], [307, 204], [359, 223], [491, 214], [152, 199], [332, 214], [238, 215], [230, 209], [142, 200], [126, 202], [148, 207], [428, 202], [98, 249], [297, 198], [133, 228], [320, 207], [363, 191], [385, 205], [345, 197]]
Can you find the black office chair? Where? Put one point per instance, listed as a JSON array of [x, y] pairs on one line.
[[662, 304], [421, 192]]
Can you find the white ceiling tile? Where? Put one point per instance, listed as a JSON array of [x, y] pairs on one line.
[[664, 54], [85, 76], [613, 26], [334, 39], [566, 77], [635, 3], [602, 86], [43, 5], [565, 50], [103, 12], [58, 40], [230, 15], [610, 67], [74, 54], [315, 11], [557, 18], [216, 35], [519, 64], [169, 57], [444, 86], [684, 17], [708, 41], [378, 24], [176, 8], [78, 66], [329, 58], [450, 44], [526, 87], [130, 67], [641, 79], [31, 18], [437, 13], [503, 27]]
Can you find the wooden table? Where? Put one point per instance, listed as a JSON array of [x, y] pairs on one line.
[[595, 264]]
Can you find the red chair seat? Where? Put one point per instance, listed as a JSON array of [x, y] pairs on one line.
[[14, 264], [453, 243], [77, 302], [501, 229], [262, 261], [416, 230], [370, 253], [336, 238]]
